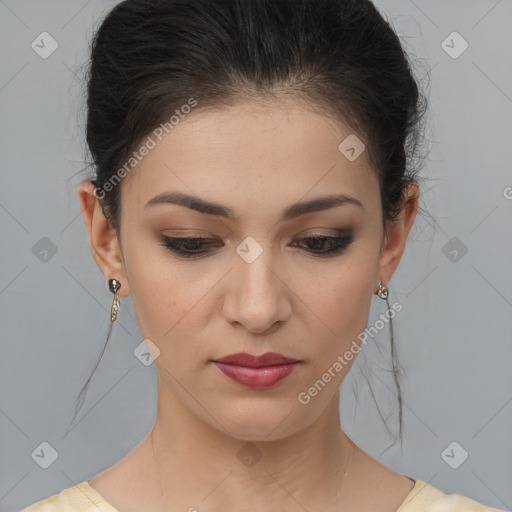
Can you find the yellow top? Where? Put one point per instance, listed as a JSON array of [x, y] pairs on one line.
[[422, 498]]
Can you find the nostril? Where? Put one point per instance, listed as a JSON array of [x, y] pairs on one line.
[[269, 331]]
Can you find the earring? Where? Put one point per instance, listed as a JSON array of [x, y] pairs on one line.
[[114, 285], [382, 292]]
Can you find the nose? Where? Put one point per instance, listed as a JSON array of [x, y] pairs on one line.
[[257, 297]]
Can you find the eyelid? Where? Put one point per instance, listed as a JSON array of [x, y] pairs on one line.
[[198, 232], [212, 240], [343, 237], [347, 232]]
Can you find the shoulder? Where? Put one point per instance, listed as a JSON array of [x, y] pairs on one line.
[[79, 498], [426, 498]]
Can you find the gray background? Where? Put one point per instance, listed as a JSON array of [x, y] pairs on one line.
[[453, 335]]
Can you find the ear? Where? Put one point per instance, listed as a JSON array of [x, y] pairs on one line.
[[397, 233], [105, 247]]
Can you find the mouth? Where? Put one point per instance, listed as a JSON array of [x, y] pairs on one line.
[[257, 372], [251, 361]]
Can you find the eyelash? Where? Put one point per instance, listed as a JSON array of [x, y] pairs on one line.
[[173, 244]]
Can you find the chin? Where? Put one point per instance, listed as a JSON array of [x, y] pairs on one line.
[[258, 426]]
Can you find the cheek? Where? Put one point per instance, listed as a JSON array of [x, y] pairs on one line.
[[349, 290], [341, 304], [164, 310], [162, 295]]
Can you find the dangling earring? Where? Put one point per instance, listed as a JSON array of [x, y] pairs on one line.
[[382, 292], [114, 285]]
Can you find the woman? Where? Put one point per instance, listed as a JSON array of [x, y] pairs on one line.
[[253, 191]]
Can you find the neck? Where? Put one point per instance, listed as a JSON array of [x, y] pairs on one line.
[[195, 461]]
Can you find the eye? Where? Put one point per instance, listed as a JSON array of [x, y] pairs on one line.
[[187, 247], [317, 245]]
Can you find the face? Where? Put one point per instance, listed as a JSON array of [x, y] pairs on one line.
[[248, 277]]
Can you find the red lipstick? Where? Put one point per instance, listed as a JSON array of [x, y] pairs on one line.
[[258, 372]]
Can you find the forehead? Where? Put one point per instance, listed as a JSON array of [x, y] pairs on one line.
[[252, 153]]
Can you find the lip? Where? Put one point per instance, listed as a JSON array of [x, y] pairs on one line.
[[257, 372], [258, 378], [250, 361]]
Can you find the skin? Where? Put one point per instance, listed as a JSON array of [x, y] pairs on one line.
[[256, 158]]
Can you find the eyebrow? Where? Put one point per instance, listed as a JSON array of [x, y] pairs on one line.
[[291, 212]]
